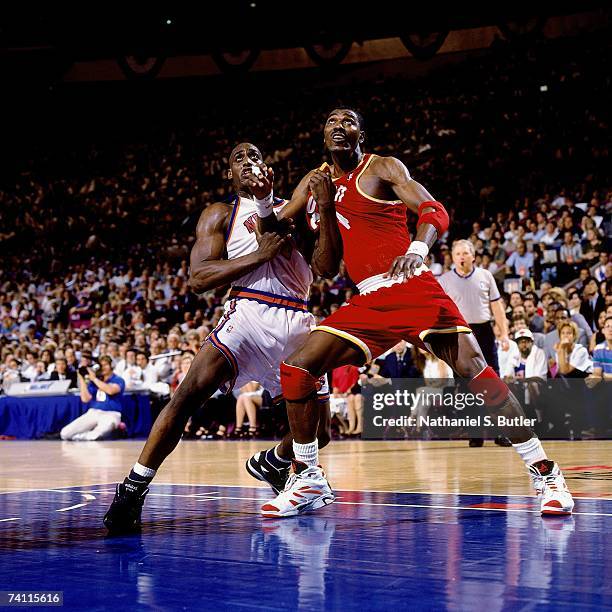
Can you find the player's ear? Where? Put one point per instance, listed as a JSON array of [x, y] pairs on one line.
[[230, 176], [361, 137]]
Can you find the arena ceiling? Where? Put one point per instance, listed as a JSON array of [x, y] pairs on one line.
[[236, 25]]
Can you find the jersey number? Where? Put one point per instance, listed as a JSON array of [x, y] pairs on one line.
[[314, 217]]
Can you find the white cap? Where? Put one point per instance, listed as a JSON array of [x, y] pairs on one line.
[[523, 333]]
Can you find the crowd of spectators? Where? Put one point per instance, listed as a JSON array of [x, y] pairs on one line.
[[95, 238]]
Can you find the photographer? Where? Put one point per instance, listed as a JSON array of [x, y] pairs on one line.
[[102, 393]]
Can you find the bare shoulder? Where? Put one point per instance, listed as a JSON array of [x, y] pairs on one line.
[[389, 168], [214, 217]]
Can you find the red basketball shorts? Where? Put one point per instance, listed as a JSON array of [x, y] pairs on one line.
[[408, 311]]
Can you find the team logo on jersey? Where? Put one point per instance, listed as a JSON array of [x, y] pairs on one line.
[[251, 223], [314, 217]]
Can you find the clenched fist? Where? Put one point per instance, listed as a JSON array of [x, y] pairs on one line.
[[322, 187]]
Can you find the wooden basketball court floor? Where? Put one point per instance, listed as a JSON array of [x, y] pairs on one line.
[[416, 525]]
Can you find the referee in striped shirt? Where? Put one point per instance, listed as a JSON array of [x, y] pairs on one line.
[[476, 294]]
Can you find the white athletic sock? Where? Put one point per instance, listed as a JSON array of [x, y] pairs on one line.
[[307, 453], [530, 451], [144, 471]]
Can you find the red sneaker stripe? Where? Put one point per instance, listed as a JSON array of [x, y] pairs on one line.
[[293, 502], [270, 507]]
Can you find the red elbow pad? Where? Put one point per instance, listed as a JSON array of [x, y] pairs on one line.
[[438, 217]]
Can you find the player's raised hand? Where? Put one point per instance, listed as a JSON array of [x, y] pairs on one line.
[[261, 180], [405, 265], [270, 244], [322, 187]]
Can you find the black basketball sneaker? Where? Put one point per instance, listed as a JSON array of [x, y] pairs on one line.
[[267, 467], [124, 513]]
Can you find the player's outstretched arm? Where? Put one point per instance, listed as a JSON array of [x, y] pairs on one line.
[[209, 267], [328, 249], [433, 218]]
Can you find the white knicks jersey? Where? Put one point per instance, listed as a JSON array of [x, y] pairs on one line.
[[290, 276]]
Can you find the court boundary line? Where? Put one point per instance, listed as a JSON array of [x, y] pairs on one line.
[[350, 503], [85, 489]]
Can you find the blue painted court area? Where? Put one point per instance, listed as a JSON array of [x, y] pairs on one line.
[[205, 547]]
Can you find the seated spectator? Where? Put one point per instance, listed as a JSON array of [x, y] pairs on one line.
[[598, 337], [150, 375], [184, 365], [131, 372], [398, 363], [102, 396], [249, 400], [520, 263], [11, 373], [561, 317], [572, 359], [529, 361], [536, 321], [574, 301], [534, 234], [28, 368], [592, 247], [339, 411], [600, 271], [344, 382], [551, 235], [41, 371], [498, 255], [61, 372], [602, 356], [570, 257], [592, 302]]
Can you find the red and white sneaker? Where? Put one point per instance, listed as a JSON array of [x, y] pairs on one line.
[[548, 481], [306, 489]]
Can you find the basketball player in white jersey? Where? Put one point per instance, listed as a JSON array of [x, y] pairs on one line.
[[265, 320]]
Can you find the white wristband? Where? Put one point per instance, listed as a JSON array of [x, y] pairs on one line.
[[418, 248], [265, 207]]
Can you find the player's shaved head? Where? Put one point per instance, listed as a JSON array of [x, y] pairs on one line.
[[244, 146]]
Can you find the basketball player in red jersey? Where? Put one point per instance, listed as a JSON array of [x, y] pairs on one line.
[[399, 299]]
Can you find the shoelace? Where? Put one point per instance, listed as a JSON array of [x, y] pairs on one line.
[[551, 482], [292, 478]]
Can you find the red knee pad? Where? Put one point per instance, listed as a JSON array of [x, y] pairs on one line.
[[494, 389], [297, 384]]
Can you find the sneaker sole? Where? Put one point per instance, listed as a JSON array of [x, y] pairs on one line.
[[315, 504], [558, 512]]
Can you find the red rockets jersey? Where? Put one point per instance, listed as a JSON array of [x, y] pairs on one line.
[[374, 231]]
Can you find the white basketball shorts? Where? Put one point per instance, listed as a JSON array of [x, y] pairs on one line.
[[256, 337]]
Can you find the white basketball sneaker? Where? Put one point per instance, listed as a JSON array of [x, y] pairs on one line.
[[306, 489], [548, 481]]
